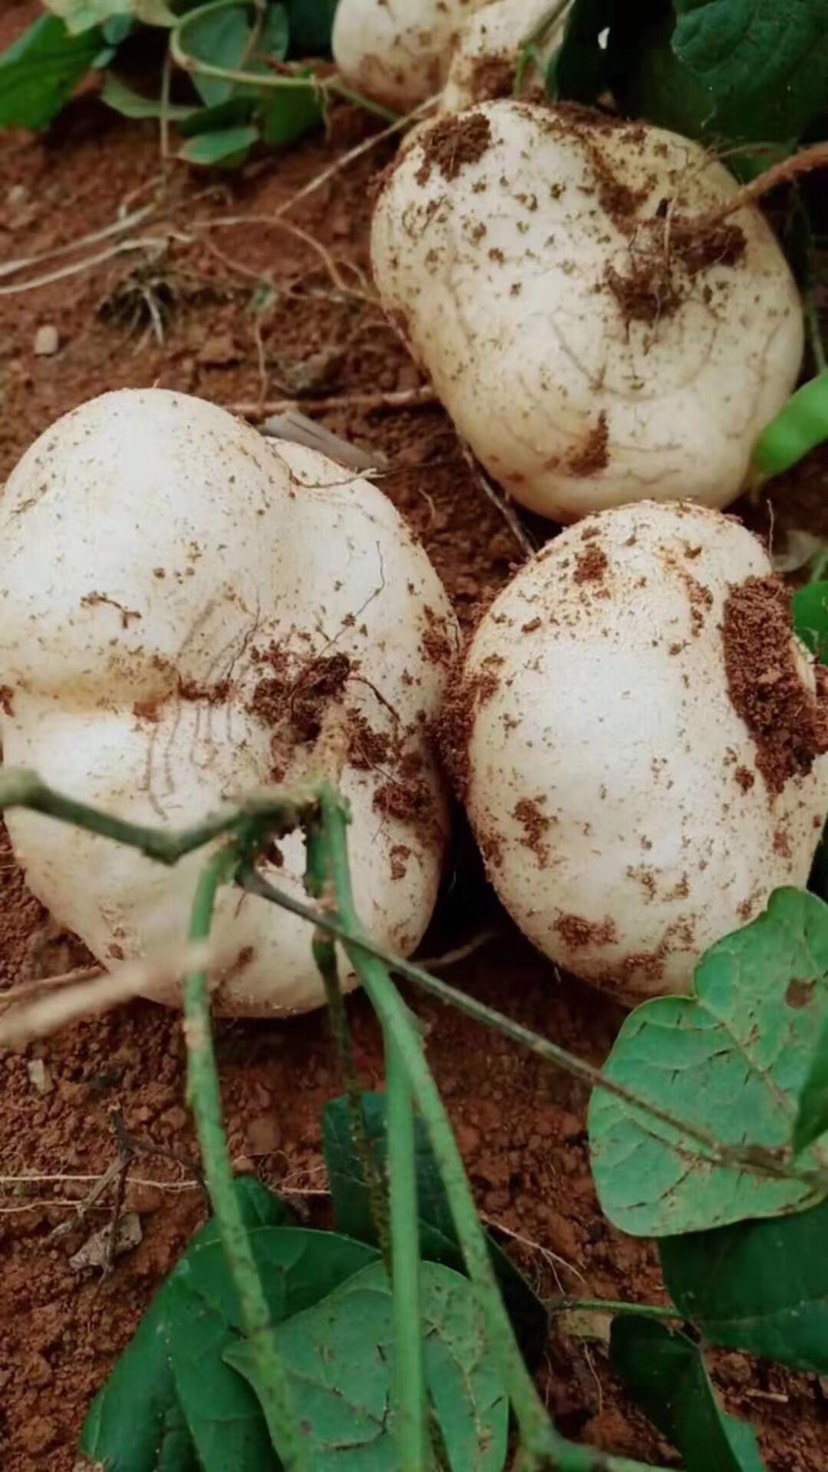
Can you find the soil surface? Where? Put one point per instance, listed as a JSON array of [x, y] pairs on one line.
[[242, 313]]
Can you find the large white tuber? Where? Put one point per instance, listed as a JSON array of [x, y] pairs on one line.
[[593, 341], [640, 743], [190, 612], [398, 51]]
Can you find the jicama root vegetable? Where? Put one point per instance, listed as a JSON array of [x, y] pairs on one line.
[[487, 55], [398, 51], [594, 339], [640, 741], [190, 612]]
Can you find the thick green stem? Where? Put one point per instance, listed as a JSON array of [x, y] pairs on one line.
[[609, 1306], [276, 813], [204, 1097], [404, 1039], [324, 954], [280, 812], [412, 1434]]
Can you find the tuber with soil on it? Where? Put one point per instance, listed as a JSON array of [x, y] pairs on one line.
[[596, 332], [487, 58], [641, 743], [397, 51], [190, 613]]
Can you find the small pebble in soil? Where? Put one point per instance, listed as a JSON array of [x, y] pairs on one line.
[[47, 341]]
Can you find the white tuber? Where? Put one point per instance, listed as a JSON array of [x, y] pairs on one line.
[[397, 51], [591, 343], [640, 744], [190, 612]]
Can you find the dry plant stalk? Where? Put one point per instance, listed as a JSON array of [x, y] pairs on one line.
[[40, 1015]]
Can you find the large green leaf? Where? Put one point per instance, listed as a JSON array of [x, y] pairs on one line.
[[757, 1286], [665, 1372], [648, 78], [731, 1059], [134, 1424], [812, 1115], [225, 1421], [39, 73], [339, 1357], [765, 63], [201, 1318], [81, 15], [438, 1239]]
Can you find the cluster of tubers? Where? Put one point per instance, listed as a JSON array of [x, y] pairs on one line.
[[189, 611]]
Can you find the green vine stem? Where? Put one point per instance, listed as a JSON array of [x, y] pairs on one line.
[[323, 816], [324, 954], [403, 1038], [409, 1369], [709, 1149], [281, 812], [275, 813], [204, 1098], [610, 1306], [265, 81], [542, 1447]]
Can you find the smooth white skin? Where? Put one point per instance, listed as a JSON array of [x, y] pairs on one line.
[[397, 51], [496, 32], [150, 542], [497, 279], [630, 752]]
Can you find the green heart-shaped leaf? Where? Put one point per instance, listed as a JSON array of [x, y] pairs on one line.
[[731, 1059], [339, 1357]]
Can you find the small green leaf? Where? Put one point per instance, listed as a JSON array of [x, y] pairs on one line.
[[224, 38], [800, 425], [220, 38], [274, 38], [288, 115], [228, 147], [134, 1424], [731, 1059], [339, 1357], [438, 1239], [235, 113], [116, 30], [665, 1372], [82, 15], [761, 1287], [810, 610], [117, 95], [41, 70]]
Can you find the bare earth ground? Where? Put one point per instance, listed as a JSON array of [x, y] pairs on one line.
[[252, 310]]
